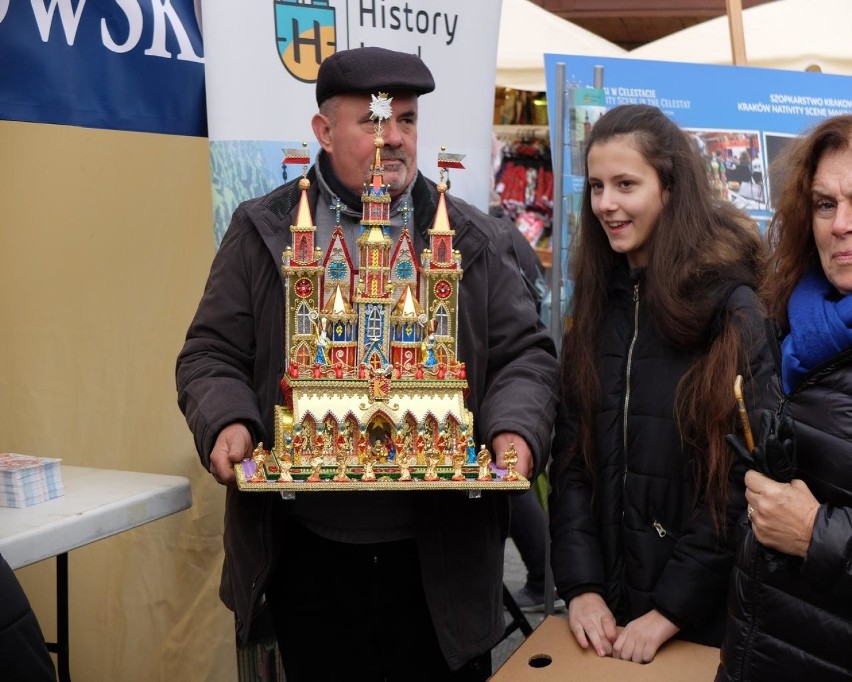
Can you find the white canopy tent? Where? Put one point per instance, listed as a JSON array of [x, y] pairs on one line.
[[527, 32], [796, 35]]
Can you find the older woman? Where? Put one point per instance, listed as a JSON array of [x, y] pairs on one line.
[[790, 603]]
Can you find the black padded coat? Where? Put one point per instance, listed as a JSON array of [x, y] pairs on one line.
[[791, 618], [637, 536]]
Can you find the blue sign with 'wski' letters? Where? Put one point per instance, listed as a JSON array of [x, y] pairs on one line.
[[133, 65]]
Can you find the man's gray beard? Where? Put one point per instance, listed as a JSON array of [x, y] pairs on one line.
[[397, 185]]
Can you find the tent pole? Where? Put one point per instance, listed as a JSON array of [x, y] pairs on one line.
[[735, 26], [558, 147]]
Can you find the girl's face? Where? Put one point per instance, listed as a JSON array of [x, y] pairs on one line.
[[627, 197]]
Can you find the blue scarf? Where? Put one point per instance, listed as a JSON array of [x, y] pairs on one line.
[[820, 327]]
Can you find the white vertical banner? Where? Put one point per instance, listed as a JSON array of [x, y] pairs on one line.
[[261, 63]]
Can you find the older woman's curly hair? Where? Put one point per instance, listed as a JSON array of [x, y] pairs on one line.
[[790, 231]]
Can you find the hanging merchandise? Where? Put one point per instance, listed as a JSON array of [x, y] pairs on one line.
[[524, 184]]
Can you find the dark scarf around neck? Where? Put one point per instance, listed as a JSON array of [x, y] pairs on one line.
[[346, 195]]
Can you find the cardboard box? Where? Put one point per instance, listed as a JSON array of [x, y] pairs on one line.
[[552, 653]]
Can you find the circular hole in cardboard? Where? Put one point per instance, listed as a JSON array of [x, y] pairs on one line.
[[540, 661]]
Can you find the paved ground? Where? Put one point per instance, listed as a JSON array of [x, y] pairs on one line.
[[514, 577]]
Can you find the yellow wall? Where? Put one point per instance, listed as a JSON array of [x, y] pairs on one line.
[[105, 243]]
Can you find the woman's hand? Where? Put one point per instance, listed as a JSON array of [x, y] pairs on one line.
[[592, 622], [782, 514], [640, 640]]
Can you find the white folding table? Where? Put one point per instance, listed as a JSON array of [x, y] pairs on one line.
[[97, 503]]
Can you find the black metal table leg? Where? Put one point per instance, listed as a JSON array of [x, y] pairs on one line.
[[519, 620], [61, 646]]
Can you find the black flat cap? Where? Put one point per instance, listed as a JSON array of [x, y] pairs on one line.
[[371, 69]]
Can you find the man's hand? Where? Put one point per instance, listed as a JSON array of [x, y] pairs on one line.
[[641, 638], [783, 514], [501, 443], [592, 622], [233, 444]]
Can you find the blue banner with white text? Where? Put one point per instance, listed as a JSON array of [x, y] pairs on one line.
[[738, 118], [134, 65]]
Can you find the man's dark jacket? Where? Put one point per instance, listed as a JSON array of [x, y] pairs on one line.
[[229, 371], [791, 618], [641, 540]]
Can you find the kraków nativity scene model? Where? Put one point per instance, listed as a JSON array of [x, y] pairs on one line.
[[373, 388]]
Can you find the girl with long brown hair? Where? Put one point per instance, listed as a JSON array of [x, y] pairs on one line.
[[664, 316]]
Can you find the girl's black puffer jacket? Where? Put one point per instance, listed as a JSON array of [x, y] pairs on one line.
[[636, 535]]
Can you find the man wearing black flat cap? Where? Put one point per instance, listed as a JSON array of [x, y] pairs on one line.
[[378, 585]]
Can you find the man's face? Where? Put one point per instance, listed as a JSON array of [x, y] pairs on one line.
[[347, 135]]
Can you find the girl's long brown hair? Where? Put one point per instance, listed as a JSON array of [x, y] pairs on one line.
[[699, 248]]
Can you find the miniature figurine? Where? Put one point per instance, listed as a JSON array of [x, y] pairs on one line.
[[297, 446], [289, 446], [397, 440], [471, 450], [511, 459], [307, 449], [378, 450], [346, 440], [370, 460], [322, 343], [441, 442], [404, 470], [390, 449], [452, 437], [458, 462], [316, 465], [259, 458], [286, 476], [427, 351], [483, 459], [426, 445], [362, 446], [328, 437], [340, 474], [461, 444], [431, 467], [407, 440]]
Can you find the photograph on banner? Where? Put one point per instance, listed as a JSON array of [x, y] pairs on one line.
[[739, 119], [262, 60]]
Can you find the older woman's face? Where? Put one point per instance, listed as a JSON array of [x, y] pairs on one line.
[[832, 217]]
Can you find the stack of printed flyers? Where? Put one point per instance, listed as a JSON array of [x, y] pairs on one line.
[[26, 480]]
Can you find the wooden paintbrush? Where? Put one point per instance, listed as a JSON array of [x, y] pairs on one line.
[[738, 394]]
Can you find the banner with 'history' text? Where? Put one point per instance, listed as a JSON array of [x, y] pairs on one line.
[[262, 58]]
